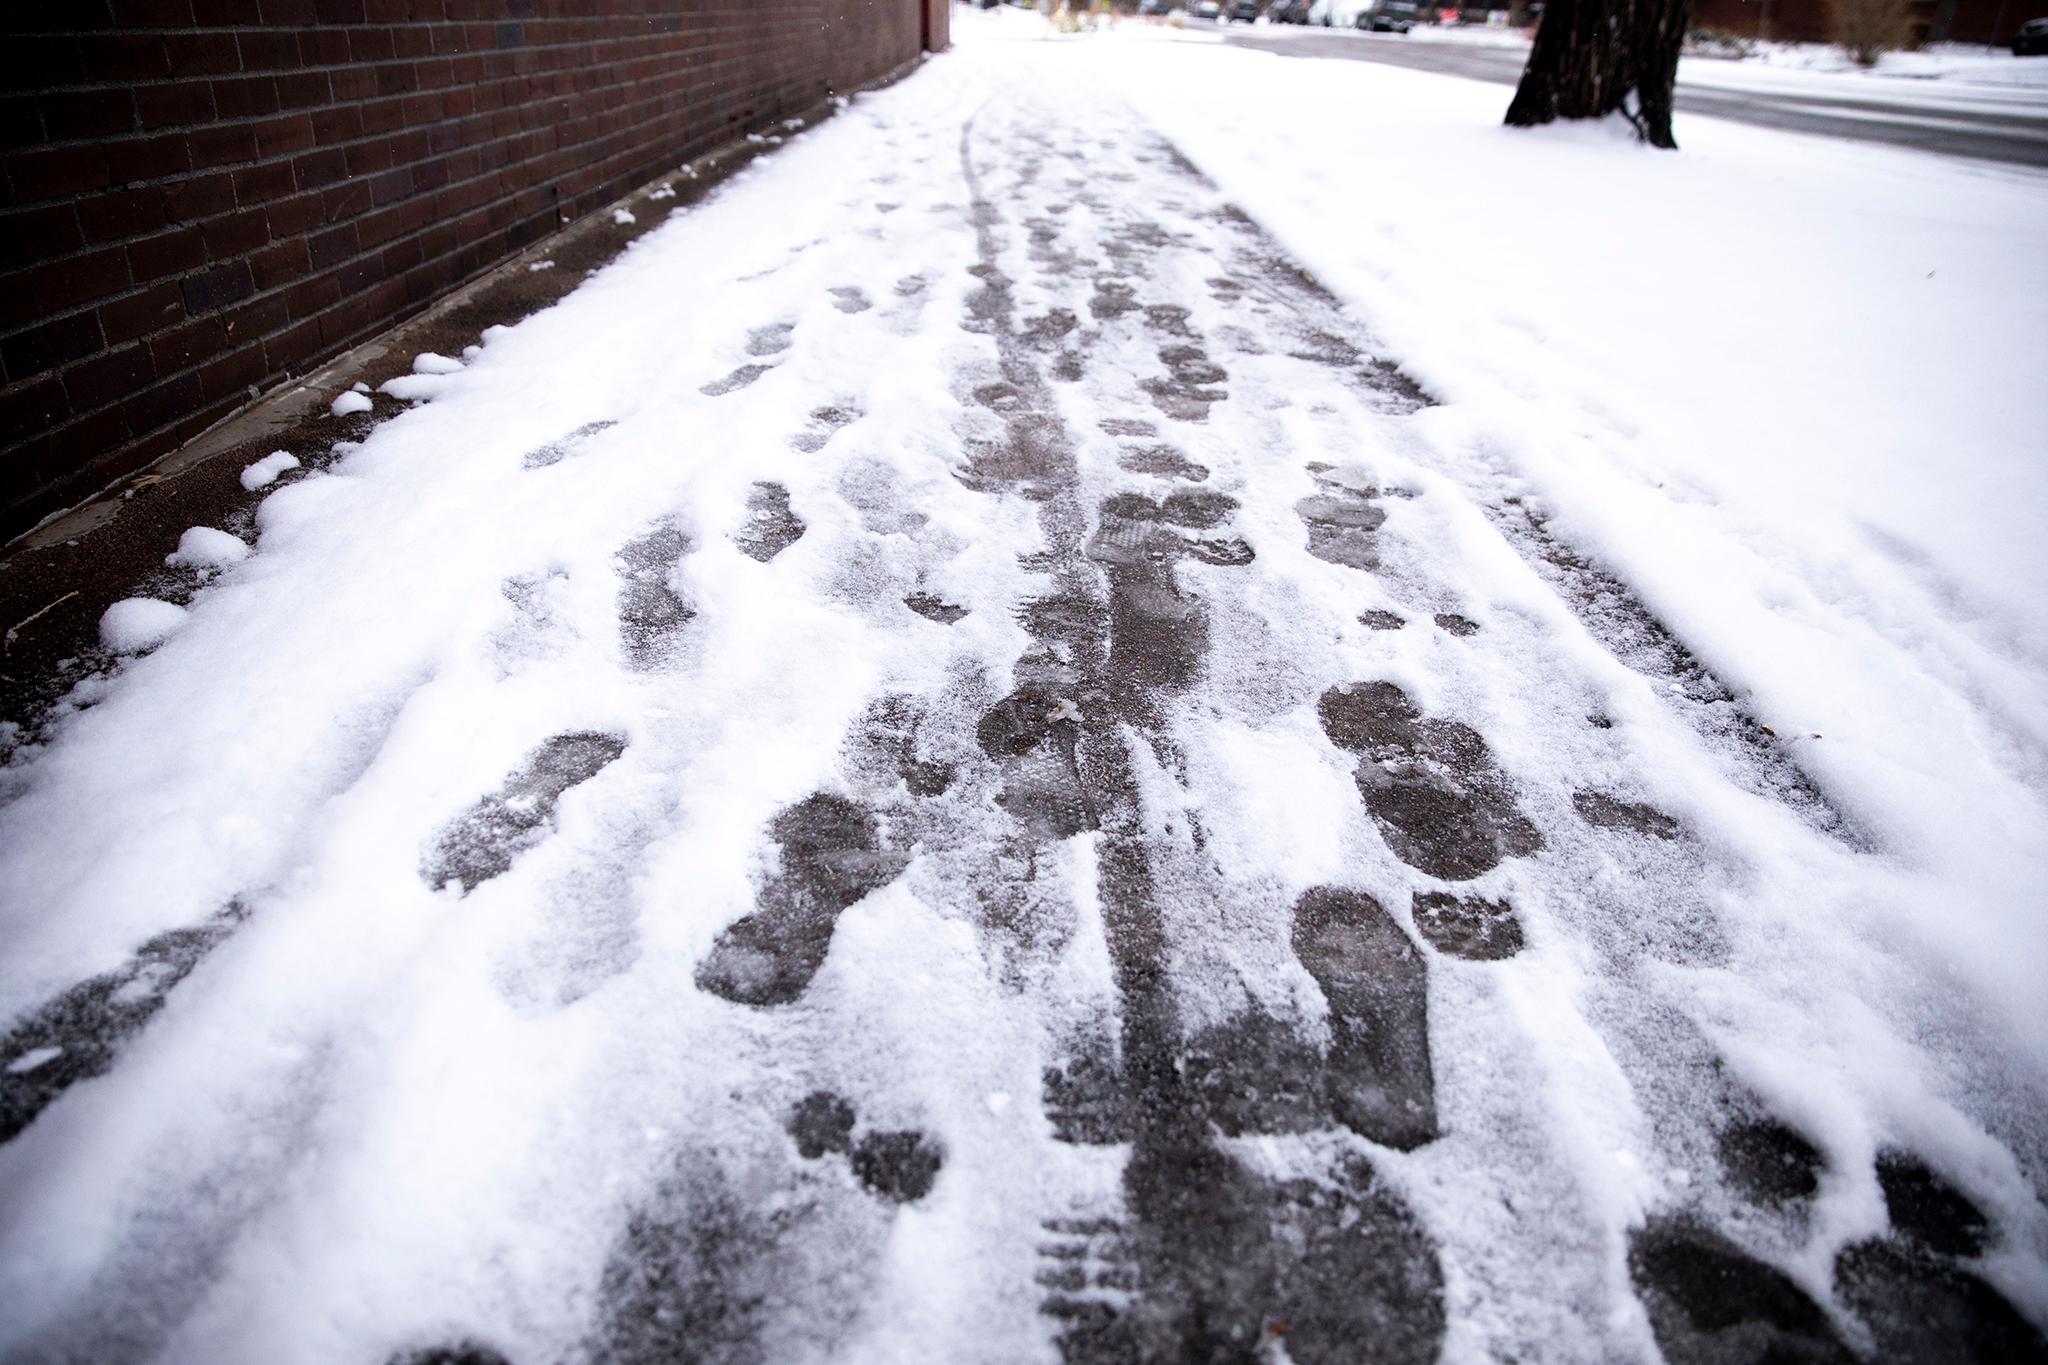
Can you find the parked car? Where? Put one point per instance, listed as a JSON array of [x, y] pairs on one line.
[[1155, 8], [1205, 9], [1288, 12], [2032, 39], [1388, 16], [1242, 12]]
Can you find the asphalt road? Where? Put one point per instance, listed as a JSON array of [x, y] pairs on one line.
[[2017, 135]]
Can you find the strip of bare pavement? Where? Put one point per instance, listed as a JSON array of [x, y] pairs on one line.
[[1997, 130]]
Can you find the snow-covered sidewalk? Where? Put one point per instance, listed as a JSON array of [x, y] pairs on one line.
[[952, 761]]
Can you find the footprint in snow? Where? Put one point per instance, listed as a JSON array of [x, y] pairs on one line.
[[1381, 1082], [770, 340], [900, 1166], [738, 379], [771, 527], [77, 1035], [832, 856], [483, 841], [651, 611], [1431, 786], [556, 451], [1611, 812]]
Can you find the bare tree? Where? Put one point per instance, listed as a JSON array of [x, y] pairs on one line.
[[1867, 29], [1590, 56]]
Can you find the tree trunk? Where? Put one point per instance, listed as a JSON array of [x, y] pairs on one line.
[[1589, 55]]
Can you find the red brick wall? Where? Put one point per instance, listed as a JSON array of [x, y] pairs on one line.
[[202, 198]]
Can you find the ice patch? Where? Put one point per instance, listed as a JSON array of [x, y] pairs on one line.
[[33, 1058]]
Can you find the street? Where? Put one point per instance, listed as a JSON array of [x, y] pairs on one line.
[[1990, 126]]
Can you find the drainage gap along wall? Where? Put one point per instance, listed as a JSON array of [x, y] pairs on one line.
[[203, 198]]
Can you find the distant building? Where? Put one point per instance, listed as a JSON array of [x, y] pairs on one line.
[[1806, 21]]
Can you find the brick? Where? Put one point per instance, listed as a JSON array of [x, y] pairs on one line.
[[30, 61], [120, 213], [284, 352], [344, 323], [339, 123], [71, 114], [263, 49], [295, 216], [141, 313], [310, 298], [397, 78], [163, 404], [391, 186], [218, 287], [174, 103], [21, 122], [88, 442], [167, 253], [262, 183], [32, 409], [344, 201], [323, 47], [117, 57], [18, 307], [334, 246], [369, 156], [188, 344], [202, 54], [237, 234], [50, 345], [303, 89], [147, 158], [35, 234], [314, 170], [257, 318], [249, 97], [201, 196], [284, 136], [56, 172], [371, 45], [79, 279], [223, 145], [279, 264], [107, 378], [151, 13], [232, 376]]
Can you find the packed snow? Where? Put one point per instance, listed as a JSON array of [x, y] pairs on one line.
[[875, 793], [139, 623], [264, 472], [203, 547]]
